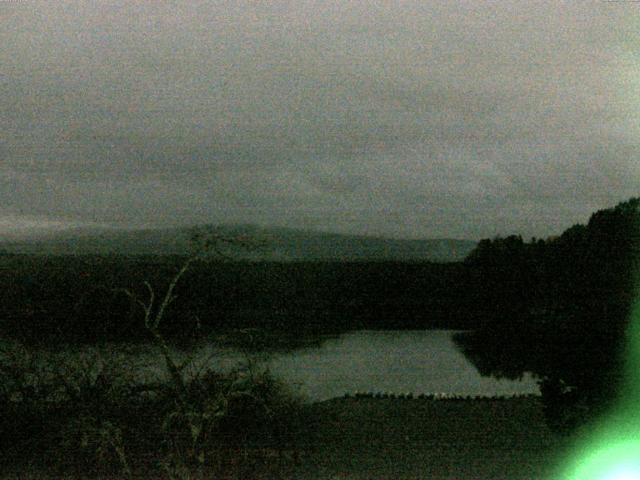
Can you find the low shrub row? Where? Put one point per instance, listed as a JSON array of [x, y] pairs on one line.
[[438, 396], [85, 415]]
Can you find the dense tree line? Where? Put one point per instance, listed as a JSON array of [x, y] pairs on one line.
[[559, 308]]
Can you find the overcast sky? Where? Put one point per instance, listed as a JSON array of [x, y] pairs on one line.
[[409, 119]]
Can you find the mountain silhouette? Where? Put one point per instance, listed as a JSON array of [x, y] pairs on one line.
[[277, 244]]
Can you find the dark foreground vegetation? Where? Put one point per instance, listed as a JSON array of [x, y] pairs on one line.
[[85, 416], [92, 415]]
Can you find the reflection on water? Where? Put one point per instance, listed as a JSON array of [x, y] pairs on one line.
[[424, 361]]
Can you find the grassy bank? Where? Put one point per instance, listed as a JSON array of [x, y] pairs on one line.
[[390, 439], [430, 439]]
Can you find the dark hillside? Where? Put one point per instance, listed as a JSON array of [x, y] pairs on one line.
[[79, 297]]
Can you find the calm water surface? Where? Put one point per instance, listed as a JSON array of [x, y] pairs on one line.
[[419, 361], [383, 361]]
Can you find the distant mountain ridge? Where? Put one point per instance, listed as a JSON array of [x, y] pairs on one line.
[[279, 244]]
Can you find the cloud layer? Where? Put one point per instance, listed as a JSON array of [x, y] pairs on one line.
[[409, 119]]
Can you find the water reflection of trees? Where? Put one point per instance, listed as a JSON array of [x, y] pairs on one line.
[[559, 308]]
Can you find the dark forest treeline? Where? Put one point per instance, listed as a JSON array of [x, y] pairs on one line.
[[559, 308], [82, 298]]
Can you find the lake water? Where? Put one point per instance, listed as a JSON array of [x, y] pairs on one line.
[[390, 361], [424, 361], [418, 361]]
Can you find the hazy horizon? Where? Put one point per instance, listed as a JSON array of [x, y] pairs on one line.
[[31, 230]]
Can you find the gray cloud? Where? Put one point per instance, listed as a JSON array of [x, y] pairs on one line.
[[460, 119]]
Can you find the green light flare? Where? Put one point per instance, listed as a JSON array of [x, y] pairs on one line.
[[610, 449], [612, 454]]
